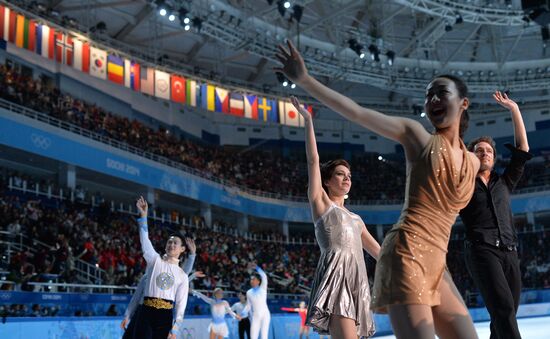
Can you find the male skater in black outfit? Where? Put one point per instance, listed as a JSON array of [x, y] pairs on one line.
[[491, 239]]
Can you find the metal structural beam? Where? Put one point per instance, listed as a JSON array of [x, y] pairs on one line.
[[470, 13]]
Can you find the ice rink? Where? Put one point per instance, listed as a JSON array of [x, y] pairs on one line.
[[530, 328]]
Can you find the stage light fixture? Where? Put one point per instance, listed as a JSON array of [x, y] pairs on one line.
[[183, 15], [297, 12], [281, 7], [374, 53], [356, 47], [391, 57], [197, 23]]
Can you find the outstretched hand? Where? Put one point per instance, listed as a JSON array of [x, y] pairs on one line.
[[293, 65], [503, 100], [300, 108], [191, 245], [199, 274], [142, 207]]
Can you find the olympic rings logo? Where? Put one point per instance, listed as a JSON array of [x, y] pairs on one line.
[[41, 141]]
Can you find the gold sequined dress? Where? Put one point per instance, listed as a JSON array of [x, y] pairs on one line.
[[413, 253]]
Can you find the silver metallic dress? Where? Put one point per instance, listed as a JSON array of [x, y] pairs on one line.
[[341, 285]]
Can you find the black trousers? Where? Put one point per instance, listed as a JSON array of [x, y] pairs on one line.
[[130, 329], [496, 273], [244, 326], [152, 323]]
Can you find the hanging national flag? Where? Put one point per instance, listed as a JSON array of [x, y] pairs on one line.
[[64, 49], [8, 20], [288, 115], [25, 33], [132, 74], [162, 85], [267, 110], [208, 95], [115, 69], [251, 107], [191, 92], [222, 100], [147, 81], [45, 41], [81, 56], [177, 88], [98, 63], [236, 104]]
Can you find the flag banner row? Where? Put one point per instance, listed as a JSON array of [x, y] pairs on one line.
[[83, 56]]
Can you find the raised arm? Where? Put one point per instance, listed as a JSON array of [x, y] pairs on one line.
[[202, 297], [181, 303], [149, 252], [369, 243], [408, 132], [520, 134], [187, 266], [317, 196], [262, 274]]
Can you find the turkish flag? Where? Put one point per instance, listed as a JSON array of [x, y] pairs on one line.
[[178, 88]]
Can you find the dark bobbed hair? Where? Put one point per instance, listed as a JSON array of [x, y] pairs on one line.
[[327, 170]]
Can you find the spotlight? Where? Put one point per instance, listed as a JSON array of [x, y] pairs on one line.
[[197, 23], [282, 79], [391, 57], [162, 11], [171, 17], [374, 53], [422, 115], [187, 27], [293, 86], [183, 15], [186, 21], [286, 4], [281, 7], [297, 12], [380, 158], [356, 47]]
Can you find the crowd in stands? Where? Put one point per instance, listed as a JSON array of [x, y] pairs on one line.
[[99, 236]]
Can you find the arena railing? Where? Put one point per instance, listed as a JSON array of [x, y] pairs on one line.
[[113, 289], [20, 242]]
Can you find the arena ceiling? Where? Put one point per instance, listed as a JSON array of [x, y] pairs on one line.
[[491, 44]]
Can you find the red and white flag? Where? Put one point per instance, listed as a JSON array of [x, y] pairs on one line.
[[81, 56]]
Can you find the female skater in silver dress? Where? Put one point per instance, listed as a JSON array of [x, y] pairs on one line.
[[340, 296]]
